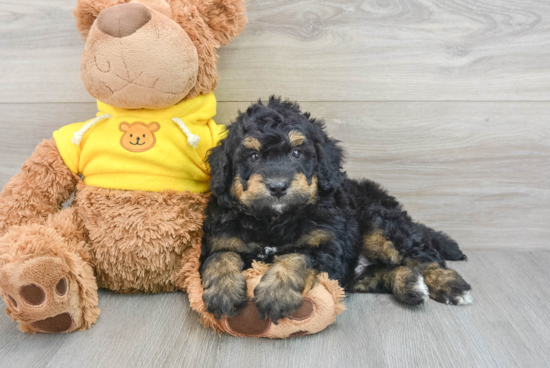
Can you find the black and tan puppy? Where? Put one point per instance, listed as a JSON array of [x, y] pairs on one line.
[[280, 196]]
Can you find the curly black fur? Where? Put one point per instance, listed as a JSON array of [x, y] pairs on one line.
[[279, 189]]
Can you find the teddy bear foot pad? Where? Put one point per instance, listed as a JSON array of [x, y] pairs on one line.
[[247, 321], [42, 297]]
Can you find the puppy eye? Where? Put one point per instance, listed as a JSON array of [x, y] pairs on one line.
[[254, 157], [296, 153]]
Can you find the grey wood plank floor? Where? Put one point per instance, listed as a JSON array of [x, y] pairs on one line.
[[508, 325]]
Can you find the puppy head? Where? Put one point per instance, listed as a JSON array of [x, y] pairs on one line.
[[275, 159]]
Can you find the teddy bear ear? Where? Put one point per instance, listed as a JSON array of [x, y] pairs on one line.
[[153, 127], [86, 12], [123, 127], [226, 18]]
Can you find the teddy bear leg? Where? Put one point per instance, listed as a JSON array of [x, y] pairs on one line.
[[45, 279], [320, 306]]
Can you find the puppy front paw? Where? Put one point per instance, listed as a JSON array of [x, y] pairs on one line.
[[226, 295], [276, 300]]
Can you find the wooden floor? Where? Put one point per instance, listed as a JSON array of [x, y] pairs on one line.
[[508, 325], [444, 102]]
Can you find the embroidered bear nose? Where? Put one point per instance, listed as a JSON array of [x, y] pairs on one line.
[[123, 20], [278, 189]]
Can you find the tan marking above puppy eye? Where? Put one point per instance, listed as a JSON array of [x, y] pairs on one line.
[[252, 143], [296, 138]]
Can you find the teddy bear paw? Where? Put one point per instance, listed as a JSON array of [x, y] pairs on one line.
[[41, 295], [248, 323]]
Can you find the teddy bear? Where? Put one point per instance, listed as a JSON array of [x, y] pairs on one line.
[[137, 173]]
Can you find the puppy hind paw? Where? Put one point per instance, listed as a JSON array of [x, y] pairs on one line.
[[447, 286], [409, 286], [465, 299], [421, 292]]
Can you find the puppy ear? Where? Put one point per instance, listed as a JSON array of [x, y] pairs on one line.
[[226, 18], [221, 172], [331, 157], [86, 12]]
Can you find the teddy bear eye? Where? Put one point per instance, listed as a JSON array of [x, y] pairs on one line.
[[144, 136], [131, 135]]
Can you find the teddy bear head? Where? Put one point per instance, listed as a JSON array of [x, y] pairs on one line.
[[154, 53]]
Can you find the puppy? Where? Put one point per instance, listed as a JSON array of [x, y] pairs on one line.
[[279, 196]]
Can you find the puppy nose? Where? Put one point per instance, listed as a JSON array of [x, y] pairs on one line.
[[123, 20], [278, 189]]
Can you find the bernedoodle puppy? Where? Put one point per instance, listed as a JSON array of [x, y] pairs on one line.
[[279, 196]]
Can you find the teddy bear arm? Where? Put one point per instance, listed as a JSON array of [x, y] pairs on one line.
[[38, 190]]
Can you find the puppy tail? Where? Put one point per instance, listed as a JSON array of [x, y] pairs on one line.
[[447, 247]]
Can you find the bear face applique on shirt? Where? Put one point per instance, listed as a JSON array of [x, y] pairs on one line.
[[138, 136]]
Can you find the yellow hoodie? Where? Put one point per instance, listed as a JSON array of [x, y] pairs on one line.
[[144, 149]]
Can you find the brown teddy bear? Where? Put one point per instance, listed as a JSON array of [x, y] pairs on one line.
[[140, 173]]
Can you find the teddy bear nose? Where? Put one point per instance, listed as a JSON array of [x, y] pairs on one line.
[[123, 20]]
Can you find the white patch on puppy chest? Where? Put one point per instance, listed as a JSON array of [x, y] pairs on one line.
[[278, 207], [270, 250]]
